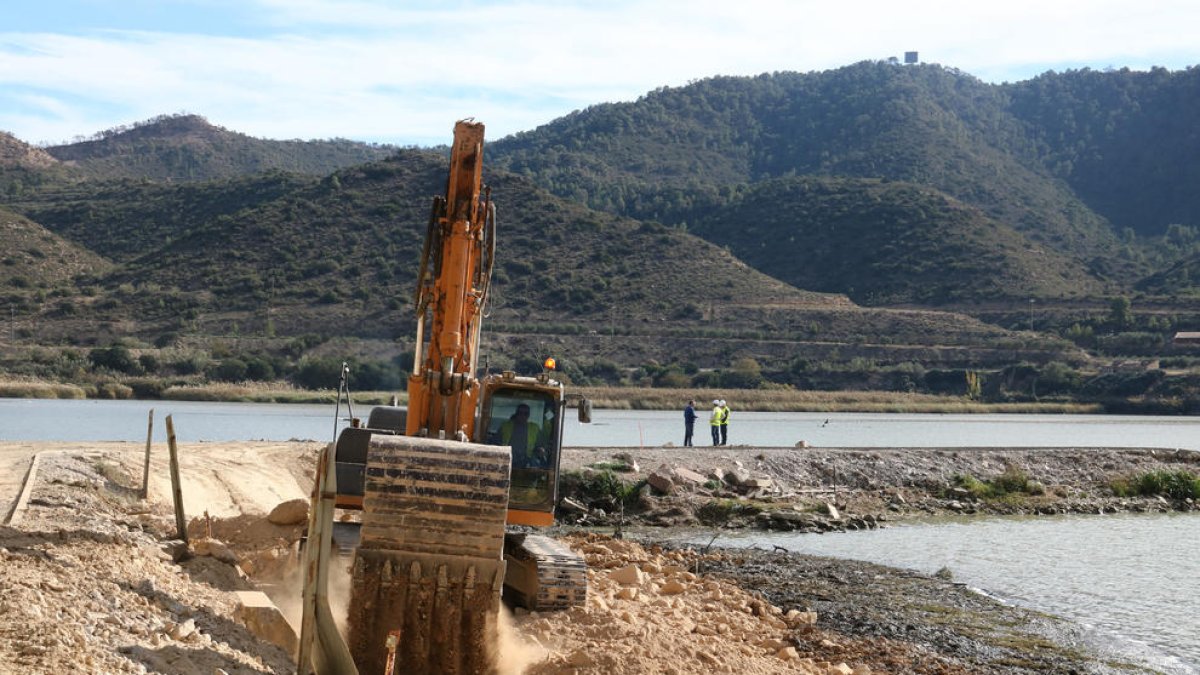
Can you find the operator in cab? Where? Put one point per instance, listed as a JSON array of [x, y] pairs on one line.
[[525, 438]]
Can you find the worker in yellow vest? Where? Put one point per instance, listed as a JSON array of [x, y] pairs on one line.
[[724, 422], [714, 421], [518, 432]]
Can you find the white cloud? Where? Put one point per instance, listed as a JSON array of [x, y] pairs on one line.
[[405, 71]]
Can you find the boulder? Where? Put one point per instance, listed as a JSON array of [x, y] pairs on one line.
[[629, 575], [672, 587], [661, 482], [833, 512], [262, 618], [569, 505], [292, 512], [685, 476], [737, 476], [215, 549]]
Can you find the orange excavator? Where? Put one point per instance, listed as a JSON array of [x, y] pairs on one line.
[[433, 502]]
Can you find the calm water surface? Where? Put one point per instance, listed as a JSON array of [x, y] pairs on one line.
[[1130, 579], [73, 420]]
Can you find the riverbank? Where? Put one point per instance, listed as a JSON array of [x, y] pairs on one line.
[[830, 489], [616, 398], [813, 615]]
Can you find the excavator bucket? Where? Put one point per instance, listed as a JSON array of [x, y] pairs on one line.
[[429, 567]]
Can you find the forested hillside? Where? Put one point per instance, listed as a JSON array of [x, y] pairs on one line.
[[1125, 141], [886, 242], [792, 228], [188, 148]]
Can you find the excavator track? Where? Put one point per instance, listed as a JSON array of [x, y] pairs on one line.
[[429, 567], [543, 574]]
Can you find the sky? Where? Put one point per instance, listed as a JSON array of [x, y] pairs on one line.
[[403, 72]]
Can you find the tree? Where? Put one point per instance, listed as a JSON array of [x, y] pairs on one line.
[[1119, 314]]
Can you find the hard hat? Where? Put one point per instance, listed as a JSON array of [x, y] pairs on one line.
[[722, 402], [716, 402]]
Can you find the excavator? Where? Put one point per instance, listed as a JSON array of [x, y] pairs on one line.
[[440, 498]]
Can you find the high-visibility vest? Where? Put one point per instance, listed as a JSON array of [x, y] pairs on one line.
[[725, 416], [715, 420], [531, 433]]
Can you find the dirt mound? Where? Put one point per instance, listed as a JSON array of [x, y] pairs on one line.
[[647, 613]]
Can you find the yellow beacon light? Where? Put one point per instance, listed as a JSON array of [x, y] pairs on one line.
[[548, 364]]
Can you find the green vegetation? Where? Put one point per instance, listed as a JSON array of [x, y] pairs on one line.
[[1173, 484], [872, 229], [1014, 482], [603, 488]]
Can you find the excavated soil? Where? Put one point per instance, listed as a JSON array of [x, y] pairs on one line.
[[89, 580]]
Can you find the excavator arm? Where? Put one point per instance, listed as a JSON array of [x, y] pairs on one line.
[[452, 288]]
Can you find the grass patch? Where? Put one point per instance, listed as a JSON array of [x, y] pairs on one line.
[[1178, 485], [721, 511], [1011, 485], [38, 389]]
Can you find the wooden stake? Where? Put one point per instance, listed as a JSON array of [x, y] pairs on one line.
[[146, 471], [176, 487]]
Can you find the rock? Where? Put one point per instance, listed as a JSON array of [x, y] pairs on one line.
[[788, 654], [802, 444], [795, 617], [672, 587], [216, 549], [181, 631], [737, 476], [569, 505], [292, 512], [687, 476], [833, 512], [629, 575], [842, 669], [757, 483], [627, 593], [661, 482], [262, 618]]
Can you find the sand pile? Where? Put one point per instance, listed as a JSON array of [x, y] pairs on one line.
[[647, 613], [87, 586]]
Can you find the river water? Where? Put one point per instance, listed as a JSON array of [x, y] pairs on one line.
[[1134, 580], [1130, 579], [84, 420]]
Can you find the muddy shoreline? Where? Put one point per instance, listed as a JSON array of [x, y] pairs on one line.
[[946, 627]]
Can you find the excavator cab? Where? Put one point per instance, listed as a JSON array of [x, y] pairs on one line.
[[525, 413]]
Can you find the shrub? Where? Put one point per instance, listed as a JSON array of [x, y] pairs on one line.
[[117, 358], [1173, 484]]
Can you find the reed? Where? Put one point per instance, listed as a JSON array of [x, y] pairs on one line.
[[39, 389]]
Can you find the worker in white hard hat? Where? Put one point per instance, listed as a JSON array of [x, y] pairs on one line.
[[714, 421], [724, 422]]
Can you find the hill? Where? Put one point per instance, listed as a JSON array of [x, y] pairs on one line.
[[17, 153], [885, 242], [284, 255], [1126, 142], [678, 152], [189, 148], [37, 260]]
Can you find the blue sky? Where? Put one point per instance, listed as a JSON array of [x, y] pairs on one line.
[[403, 72]]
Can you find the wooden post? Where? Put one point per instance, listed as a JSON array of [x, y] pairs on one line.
[[176, 487], [146, 471]]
